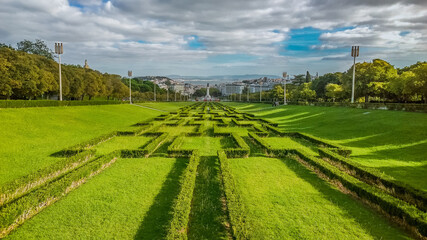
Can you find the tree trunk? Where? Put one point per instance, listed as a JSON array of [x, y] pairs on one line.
[[366, 98]]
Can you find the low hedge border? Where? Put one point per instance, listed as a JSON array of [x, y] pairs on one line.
[[15, 213], [392, 206], [236, 211], [154, 144], [320, 142], [242, 150], [25, 184], [178, 227], [393, 187], [52, 103]]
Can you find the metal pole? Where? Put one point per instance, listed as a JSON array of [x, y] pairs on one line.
[[130, 90], [154, 91], [260, 92], [354, 75], [284, 92], [60, 78], [247, 94], [175, 95], [167, 90]]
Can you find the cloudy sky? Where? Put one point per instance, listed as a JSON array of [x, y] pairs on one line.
[[218, 37]]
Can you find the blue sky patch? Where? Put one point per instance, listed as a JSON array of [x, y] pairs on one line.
[[193, 42]]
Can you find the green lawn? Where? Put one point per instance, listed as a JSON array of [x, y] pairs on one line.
[[121, 142], [394, 142], [283, 200], [165, 106], [130, 200], [208, 146], [29, 135]]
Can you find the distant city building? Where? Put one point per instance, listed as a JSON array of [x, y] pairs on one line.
[[178, 87], [234, 88]]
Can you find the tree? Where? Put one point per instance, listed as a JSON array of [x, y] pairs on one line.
[[403, 87], [319, 84], [307, 77], [421, 80], [276, 93], [5, 88], [334, 91], [299, 79], [38, 47]]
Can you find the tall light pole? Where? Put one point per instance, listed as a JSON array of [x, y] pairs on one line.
[[59, 49], [354, 54], [260, 91], [247, 93], [154, 84], [167, 91], [285, 74], [130, 86]]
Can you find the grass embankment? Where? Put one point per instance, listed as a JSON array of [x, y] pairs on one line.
[[130, 200], [393, 142], [30, 135], [284, 200]]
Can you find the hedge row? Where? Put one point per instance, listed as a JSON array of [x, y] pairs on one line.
[[155, 143], [409, 107], [260, 131], [392, 206], [174, 150], [23, 185], [236, 211], [51, 103], [16, 212], [182, 206], [242, 124], [320, 142], [242, 149], [397, 189]]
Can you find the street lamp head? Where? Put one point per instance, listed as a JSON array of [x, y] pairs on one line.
[[59, 48], [355, 51]]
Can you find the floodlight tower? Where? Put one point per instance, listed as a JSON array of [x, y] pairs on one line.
[[59, 49], [247, 93], [285, 74], [130, 86], [260, 91], [354, 54]]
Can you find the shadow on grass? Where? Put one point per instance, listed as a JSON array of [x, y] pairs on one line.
[[207, 216], [156, 221], [369, 220]]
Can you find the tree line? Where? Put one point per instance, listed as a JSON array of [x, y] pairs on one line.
[[29, 72]]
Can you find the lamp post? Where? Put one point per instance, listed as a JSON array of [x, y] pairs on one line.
[[59, 49], [130, 86], [285, 74], [260, 91], [167, 92], [154, 84], [354, 54], [247, 93]]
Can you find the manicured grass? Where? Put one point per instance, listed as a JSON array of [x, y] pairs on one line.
[[131, 200], [284, 200], [174, 130], [286, 142], [29, 135], [166, 106], [208, 146], [208, 218], [121, 142], [394, 142]]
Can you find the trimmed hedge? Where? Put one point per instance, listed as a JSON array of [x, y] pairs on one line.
[[155, 143], [242, 150], [25, 184], [182, 205], [52, 103], [393, 206], [17, 211], [236, 211], [397, 189]]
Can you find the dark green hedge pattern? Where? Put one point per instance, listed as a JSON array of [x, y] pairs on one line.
[[393, 187], [34, 201], [25, 184], [182, 205], [239, 225], [242, 149], [52, 103]]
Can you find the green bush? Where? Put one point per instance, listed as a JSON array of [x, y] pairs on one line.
[[242, 150], [33, 202], [25, 184], [239, 225], [182, 205], [395, 188], [51, 103]]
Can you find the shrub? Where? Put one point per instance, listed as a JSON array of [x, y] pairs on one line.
[[182, 205], [51, 103]]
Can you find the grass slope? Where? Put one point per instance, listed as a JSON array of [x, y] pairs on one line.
[[29, 135], [165, 106], [131, 200], [392, 141], [284, 200]]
